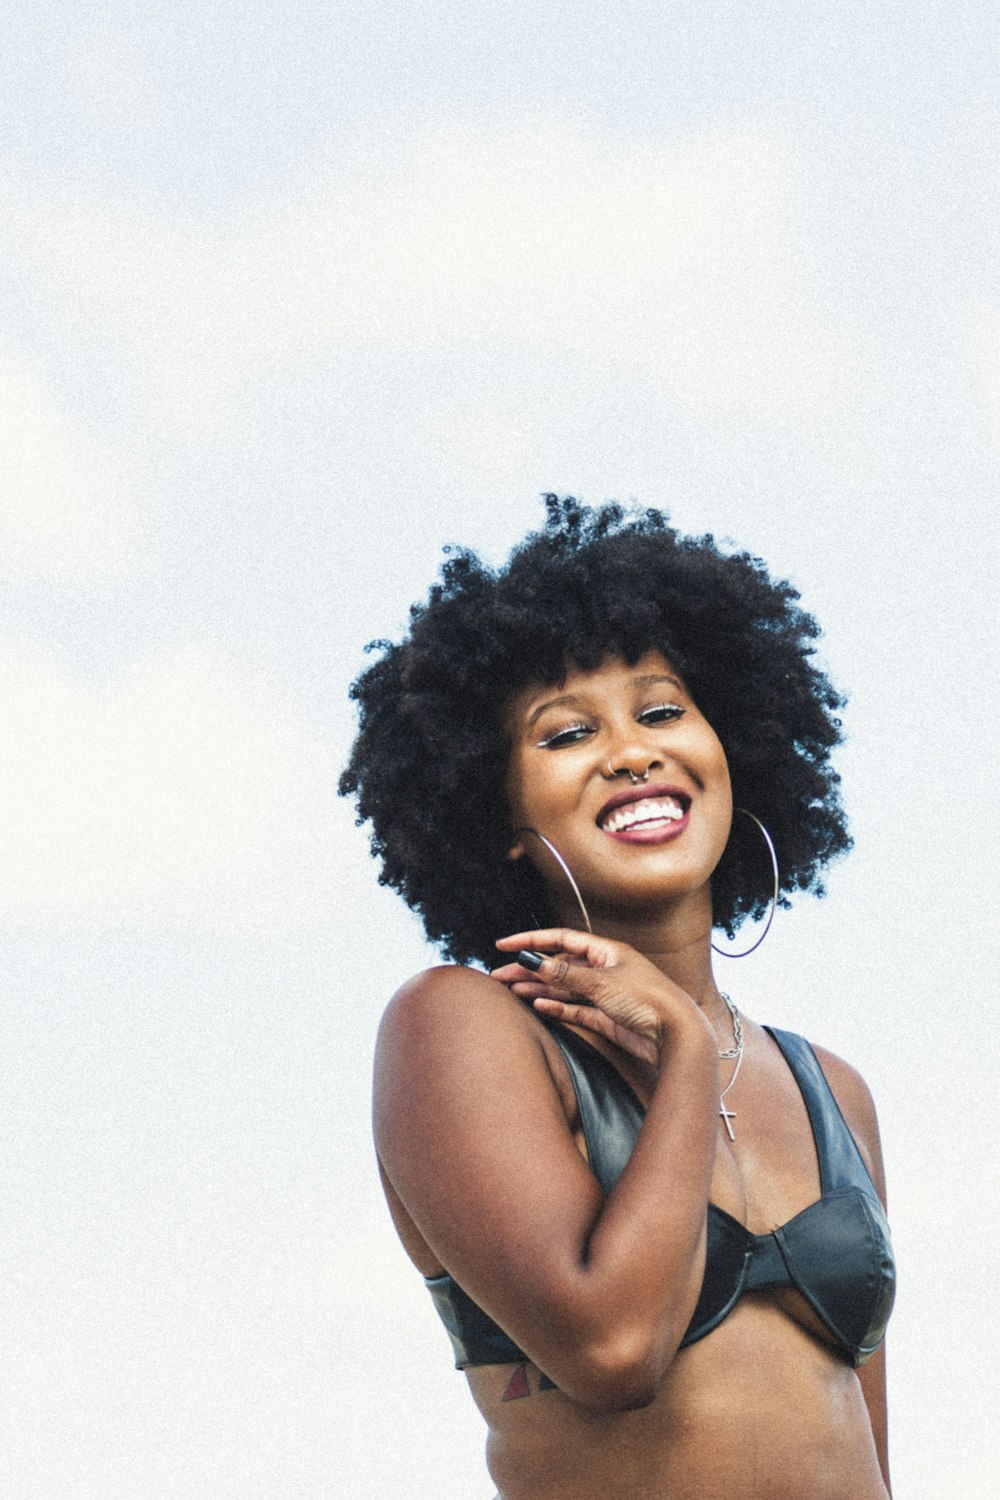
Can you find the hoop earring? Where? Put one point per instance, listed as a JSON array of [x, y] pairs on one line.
[[564, 867], [745, 952]]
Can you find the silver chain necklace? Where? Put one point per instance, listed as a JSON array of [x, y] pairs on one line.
[[736, 1050]]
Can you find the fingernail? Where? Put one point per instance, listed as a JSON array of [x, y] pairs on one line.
[[529, 960]]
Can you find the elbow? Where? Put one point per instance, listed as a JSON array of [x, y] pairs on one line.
[[620, 1375], [628, 1394]]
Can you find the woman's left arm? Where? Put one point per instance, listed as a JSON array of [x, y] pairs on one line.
[[858, 1108], [872, 1377]]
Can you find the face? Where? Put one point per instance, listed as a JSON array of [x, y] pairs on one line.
[[632, 845]]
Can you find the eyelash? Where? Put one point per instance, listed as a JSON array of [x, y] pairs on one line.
[[671, 710]]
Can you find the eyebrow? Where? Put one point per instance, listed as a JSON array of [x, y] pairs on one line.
[[649, 680]]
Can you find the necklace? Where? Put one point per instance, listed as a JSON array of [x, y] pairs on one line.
[[736, 1050]]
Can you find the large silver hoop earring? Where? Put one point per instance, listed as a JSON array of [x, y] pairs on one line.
[[745, 952], [564, 867]]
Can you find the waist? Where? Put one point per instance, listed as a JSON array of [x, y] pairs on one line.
[[759, 1409]]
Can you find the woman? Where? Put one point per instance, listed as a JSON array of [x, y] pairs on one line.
[[652, 1227]]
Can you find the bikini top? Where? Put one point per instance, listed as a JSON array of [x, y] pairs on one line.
[[837, 1252]]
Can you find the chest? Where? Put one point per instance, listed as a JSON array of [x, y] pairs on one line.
[[768, 1172]]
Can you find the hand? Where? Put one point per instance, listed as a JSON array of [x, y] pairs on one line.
[[625, 998]]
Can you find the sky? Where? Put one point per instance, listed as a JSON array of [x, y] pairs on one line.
[[290, 298]]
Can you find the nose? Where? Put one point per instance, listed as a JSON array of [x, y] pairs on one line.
[[633, 761]]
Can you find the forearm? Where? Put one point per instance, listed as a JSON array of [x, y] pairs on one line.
[[597, 1291], [627, 1294]]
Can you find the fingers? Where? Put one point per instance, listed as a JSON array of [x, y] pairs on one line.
[[589, 1018], [565, 939], [574, 1014], [552, 952], [556, 969], [558, 979], [559, 975]]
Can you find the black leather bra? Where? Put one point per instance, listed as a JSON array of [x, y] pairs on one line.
[[837, 1252]]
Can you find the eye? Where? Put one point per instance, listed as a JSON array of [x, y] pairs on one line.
[[571, 735], [660, 713]]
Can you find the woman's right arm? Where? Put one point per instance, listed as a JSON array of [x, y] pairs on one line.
[[472, 1135]]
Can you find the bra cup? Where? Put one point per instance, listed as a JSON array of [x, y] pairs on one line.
[[839, 1257], [475, 1338], [837, 1252], [887, 1278], [726, 1257]]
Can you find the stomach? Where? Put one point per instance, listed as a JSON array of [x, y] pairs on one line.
[[757, 1410]]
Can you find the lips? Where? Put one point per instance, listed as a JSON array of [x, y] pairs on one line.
[[649, 815]]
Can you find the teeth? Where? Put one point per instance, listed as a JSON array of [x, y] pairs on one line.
[[650, 810]]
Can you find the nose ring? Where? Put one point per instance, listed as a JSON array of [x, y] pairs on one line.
[[635, 780]]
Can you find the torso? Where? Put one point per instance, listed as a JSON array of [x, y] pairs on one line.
[[762, 1408], [790, 1424]]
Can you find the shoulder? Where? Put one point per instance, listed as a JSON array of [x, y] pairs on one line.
[[449, 998], [847, 1084], [465, 1100], [450, 1039], [858, 1108]]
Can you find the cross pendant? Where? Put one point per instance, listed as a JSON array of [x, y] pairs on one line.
[[727, 1115]]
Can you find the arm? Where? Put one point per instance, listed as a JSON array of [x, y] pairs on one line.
[[858, 1109], [472, 1136], [872, 1377]]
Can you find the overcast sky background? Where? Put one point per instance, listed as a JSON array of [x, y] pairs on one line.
[[290, 296]]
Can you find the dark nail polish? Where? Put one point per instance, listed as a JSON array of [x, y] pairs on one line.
[[529, 960]]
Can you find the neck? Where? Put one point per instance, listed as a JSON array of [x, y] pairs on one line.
[[678, 941]]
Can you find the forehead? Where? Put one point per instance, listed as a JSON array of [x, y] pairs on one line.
[[612, 675]]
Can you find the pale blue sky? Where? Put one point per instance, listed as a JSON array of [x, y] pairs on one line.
[[291, 297]]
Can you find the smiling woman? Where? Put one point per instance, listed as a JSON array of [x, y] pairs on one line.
[[643, 1218], [671, 756]]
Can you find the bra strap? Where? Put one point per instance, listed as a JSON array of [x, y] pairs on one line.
[[841, 1164], [610, 1112]]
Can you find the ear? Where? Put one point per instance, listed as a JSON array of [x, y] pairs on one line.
[[516, 851]]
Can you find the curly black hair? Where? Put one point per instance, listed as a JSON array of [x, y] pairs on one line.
[[591, 583]]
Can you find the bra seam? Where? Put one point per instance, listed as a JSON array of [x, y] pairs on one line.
[[810, 1297], [853, 1349], [876, 1258], [723, 1313]]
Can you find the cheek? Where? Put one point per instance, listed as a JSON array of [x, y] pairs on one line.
[[725, 780], [716, 756], [537, 780], [513, 784], [521, 790], [723, 799]]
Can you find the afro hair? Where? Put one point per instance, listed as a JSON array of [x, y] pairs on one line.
[[592, 583]]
